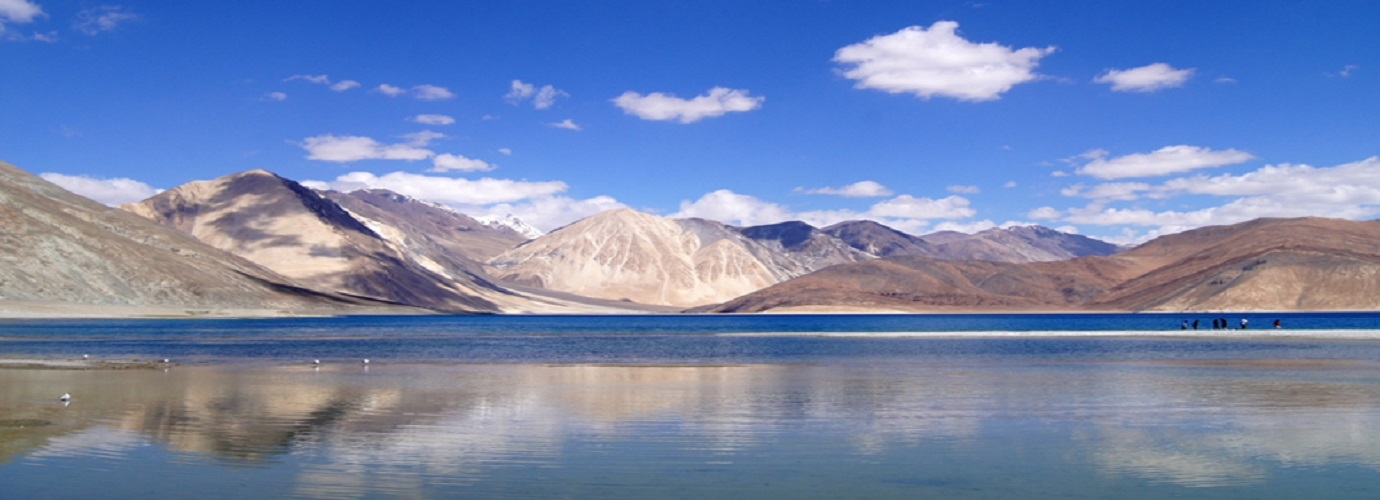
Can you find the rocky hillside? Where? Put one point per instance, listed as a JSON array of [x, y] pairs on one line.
[[629, 255], [1016, 244], [67, 251], [299, 233], [1279, 264], [879, 240]]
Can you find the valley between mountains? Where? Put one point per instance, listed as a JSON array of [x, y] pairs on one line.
[[257, 244]]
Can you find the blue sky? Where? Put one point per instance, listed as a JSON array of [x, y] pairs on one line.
[[1120, 120]]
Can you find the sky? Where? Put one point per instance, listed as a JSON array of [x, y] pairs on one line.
[[1118, 120]]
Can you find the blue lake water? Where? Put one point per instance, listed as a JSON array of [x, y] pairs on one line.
[[971, 406]]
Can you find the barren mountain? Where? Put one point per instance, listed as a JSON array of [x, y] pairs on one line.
[[879, 240], [628, 255], [296, 232], [1276, 264], [804, 243], [427, 230], [60, 250], [1016, 244]]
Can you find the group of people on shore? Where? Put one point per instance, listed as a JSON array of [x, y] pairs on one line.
[[1223, 324]]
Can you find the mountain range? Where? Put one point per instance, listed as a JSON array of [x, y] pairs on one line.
[[255, 241]]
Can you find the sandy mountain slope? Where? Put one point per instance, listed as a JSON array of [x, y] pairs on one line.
[[427, 230], [1266, 264], [629, 255], [296, 232], [1270, 264], [62, 249]]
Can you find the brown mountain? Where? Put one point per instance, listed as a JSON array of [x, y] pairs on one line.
[[299, 233], [1274, 264], [812, 247], [66, 254], [427, 230]]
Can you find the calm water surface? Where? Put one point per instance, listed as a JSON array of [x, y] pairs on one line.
[[684, 407]]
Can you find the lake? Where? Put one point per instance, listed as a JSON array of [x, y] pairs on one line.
[[697, 406]]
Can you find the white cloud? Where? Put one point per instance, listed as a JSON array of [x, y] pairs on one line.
[[1348, 191], [567, 124], [910, 207], [549, 212], [1009, 184], [505, 151], [433, 119], [422, 138], [317, 79], [735, 209], [860, 189], [329, 147], [449, 162], [662, 107], [431, 93], [1044, 213], [97, 20], [108, 191], [542, 97], [1157, 76], [448, 190], [275, 96], [19, 11], [1346, 71], [1123, 191], [968, 227], [937, 62], [389, 90], [344, 85], [961, 189], [905, 213], [1166, 160]]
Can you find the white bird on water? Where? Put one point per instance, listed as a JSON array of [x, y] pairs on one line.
[[315, 361], [366, 361], [86, 356], [65, 397]]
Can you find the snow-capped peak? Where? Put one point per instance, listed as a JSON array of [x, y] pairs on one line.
[[511, 221]]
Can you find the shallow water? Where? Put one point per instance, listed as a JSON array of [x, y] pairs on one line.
[[691, 414]]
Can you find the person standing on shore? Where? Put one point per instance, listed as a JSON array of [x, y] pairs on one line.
[[1195, 323], [1244, 322]]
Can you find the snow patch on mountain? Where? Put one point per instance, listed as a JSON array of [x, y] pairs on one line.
[[511, 221]]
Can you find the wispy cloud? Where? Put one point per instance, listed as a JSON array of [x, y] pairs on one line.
[[860, 189], [567, 124], [937, 62], [1163, 161], [97, 20], [541, 97], [431, 93], [432, 119], [275, 96], [1149, 78], [350, 148], [389, 90], [663, 107], [455, 163]]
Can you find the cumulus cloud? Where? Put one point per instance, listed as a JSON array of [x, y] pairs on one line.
[[348, 148], [1044, 213], [431, 93], [433, 119], [112, 192], [389, 90], [937, 62], [542, 97], [448, 190], [19, 11], [537, 203], [97, 20], [860, 189], [1164, 161], [1124, 191], [664, 107], [548, 213], [450, 162], [567, 124], [344, 85], [905, 213], [1348, 191], [1149, 78]]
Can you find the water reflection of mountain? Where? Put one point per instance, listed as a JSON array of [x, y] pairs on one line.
[[393, 427]]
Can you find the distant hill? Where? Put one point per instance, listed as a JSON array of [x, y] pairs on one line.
[[1012, 244], [628, 255], [67, 251], [1272, 264], [879, 240], [299, 233]]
